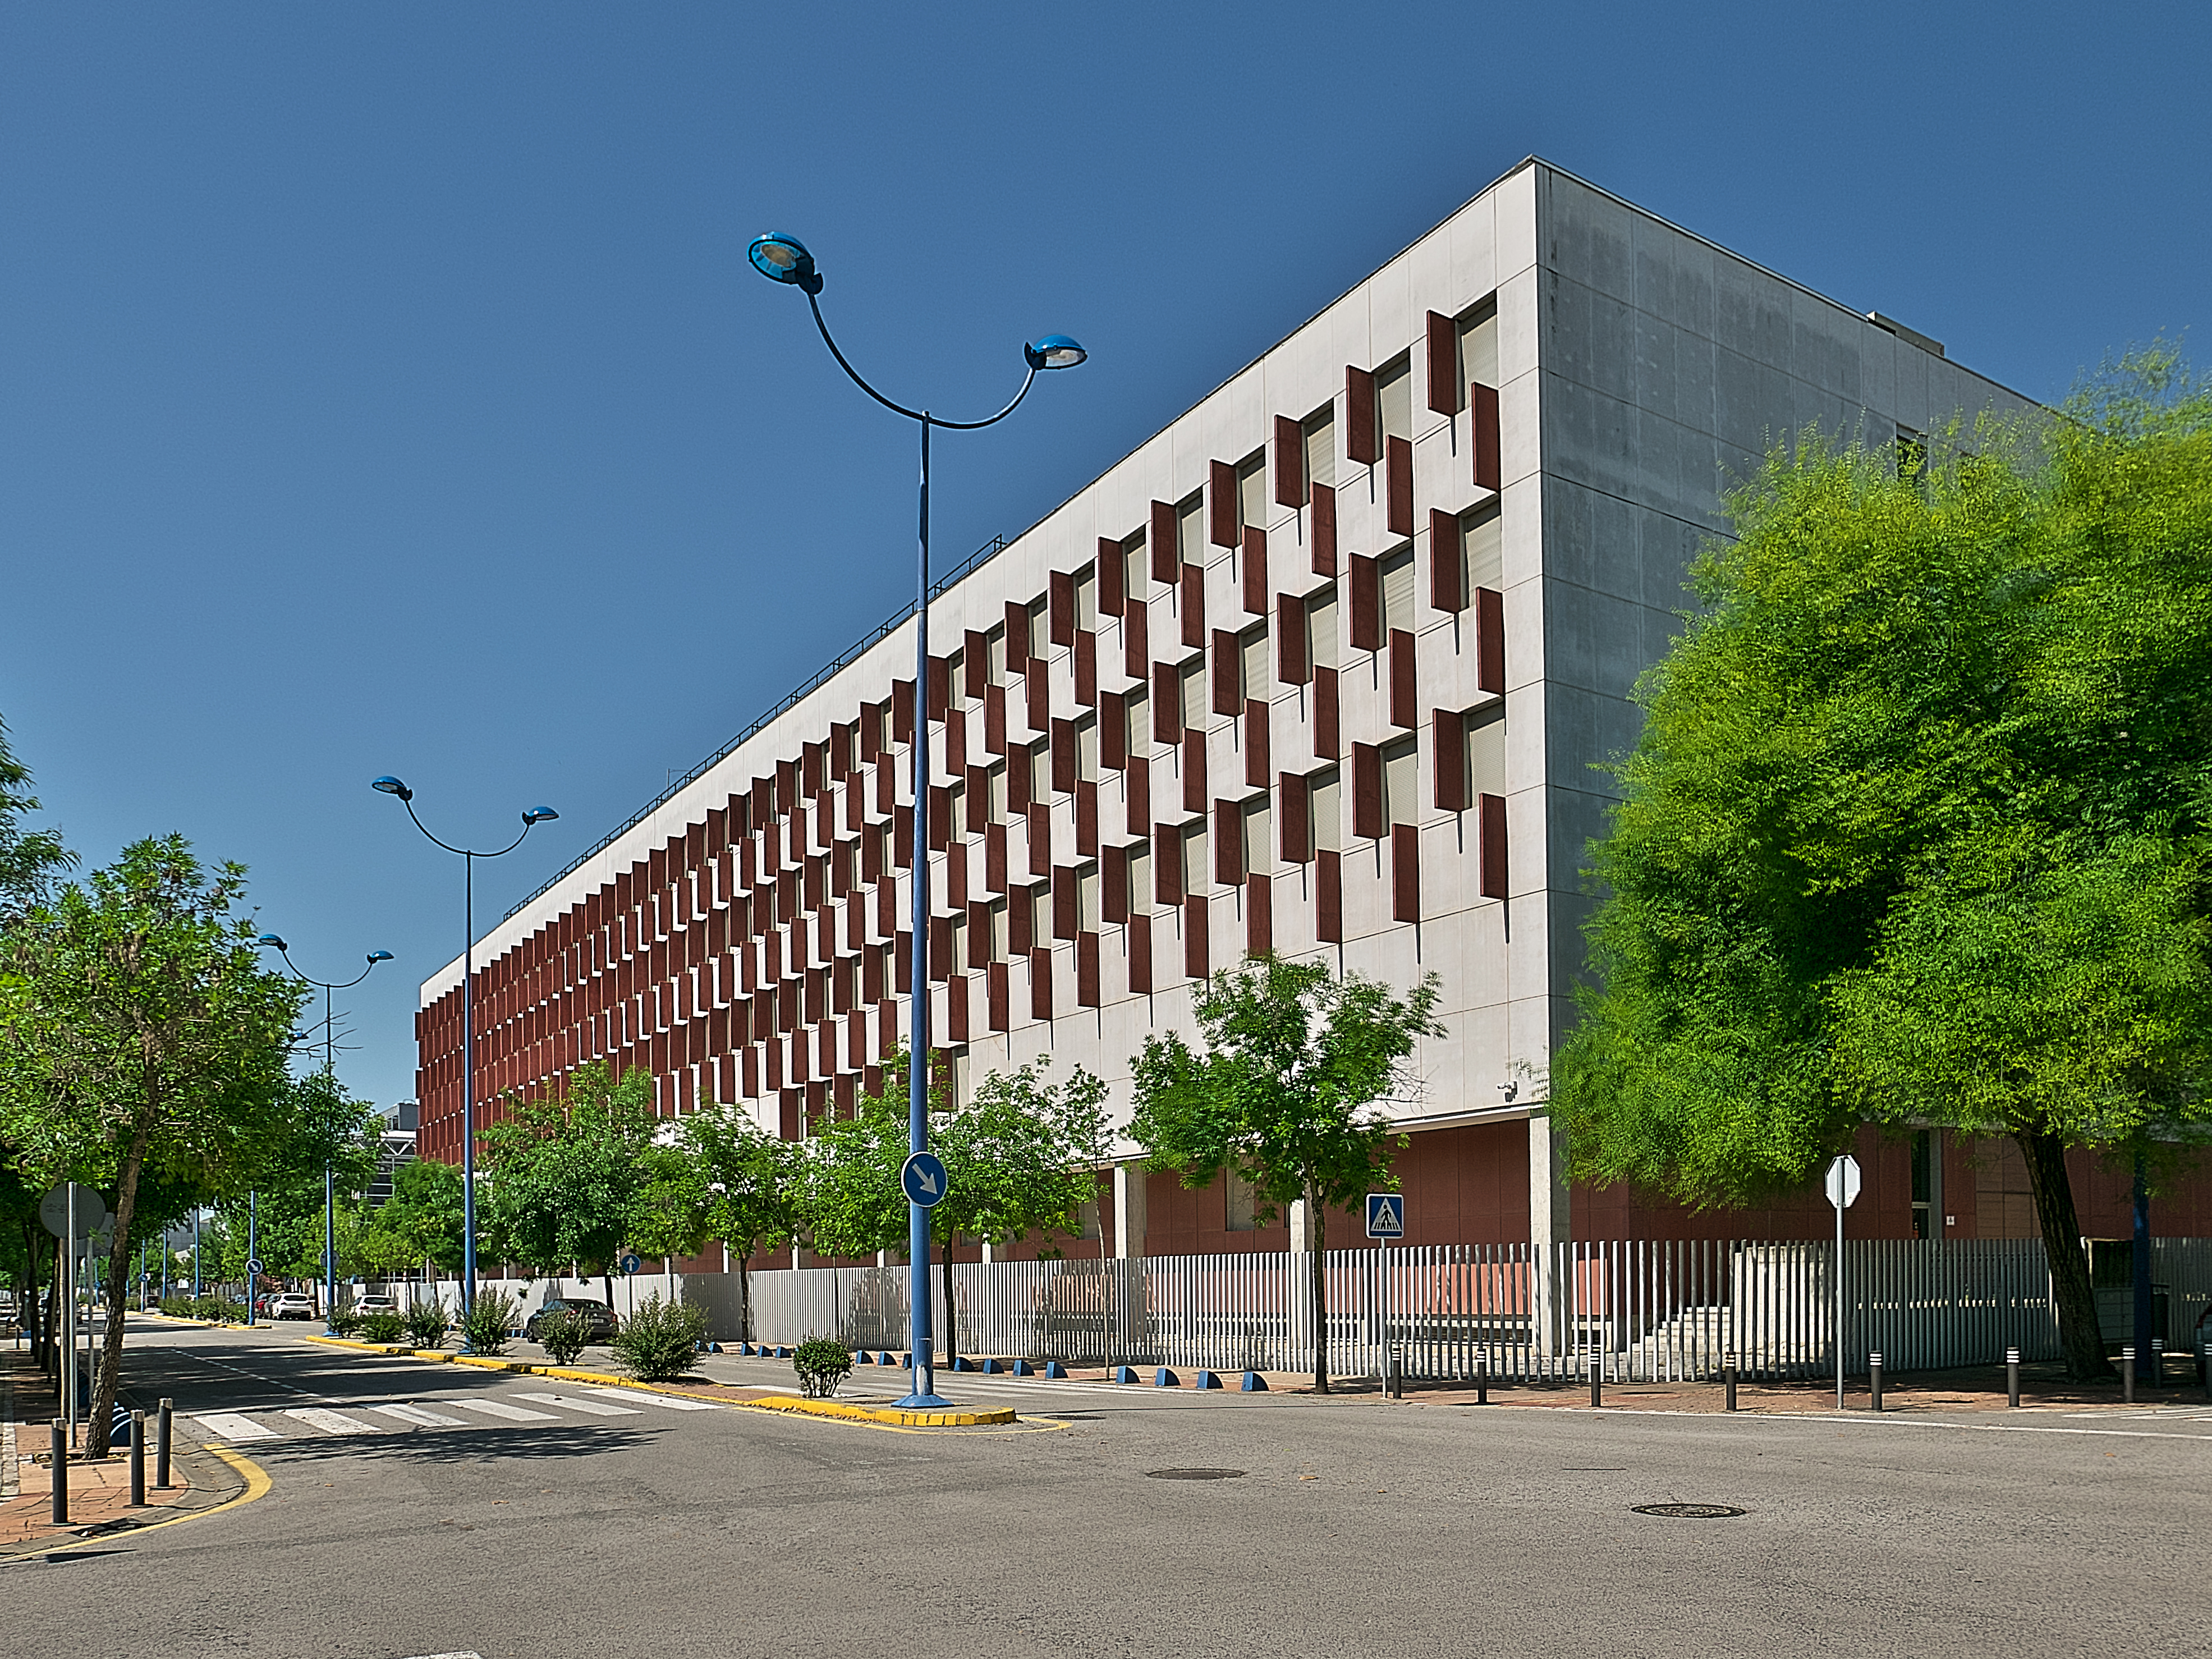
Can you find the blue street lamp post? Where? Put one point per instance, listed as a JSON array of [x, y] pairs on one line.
[[530, 819], [330, 1070], [785, 259]]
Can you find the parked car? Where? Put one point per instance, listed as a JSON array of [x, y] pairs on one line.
[[374, 1304], [292, 1304], [602, 1318]]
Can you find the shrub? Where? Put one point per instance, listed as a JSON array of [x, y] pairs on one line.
[[563, 1335], [383, 1327], [345, 1323], [658, 1341], [427, 1323], [490, 1323], [218, 1308], [822, 1363]]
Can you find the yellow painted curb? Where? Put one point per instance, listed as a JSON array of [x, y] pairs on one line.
[[256, 1485], [871, 1414]]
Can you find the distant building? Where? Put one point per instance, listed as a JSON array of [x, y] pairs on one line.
[[1323, 667], [395, 1146]]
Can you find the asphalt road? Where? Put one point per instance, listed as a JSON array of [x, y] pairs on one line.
[[1357, 1526]]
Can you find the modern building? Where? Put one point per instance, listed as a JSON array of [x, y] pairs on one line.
[[1324, 666]]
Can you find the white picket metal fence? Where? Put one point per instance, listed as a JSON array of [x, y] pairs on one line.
[[1639, 1310]]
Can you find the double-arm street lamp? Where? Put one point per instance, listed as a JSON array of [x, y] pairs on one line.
[[785, 259], [330, 1070], [535, 816]]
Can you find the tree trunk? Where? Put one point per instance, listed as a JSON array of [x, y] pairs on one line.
[[2079, 1338], [745, 1299], [110, 1373], [1317, 1236], [31, 1316], [951, 1314]]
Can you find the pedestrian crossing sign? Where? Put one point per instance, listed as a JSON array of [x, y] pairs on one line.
[[1386, 1215]]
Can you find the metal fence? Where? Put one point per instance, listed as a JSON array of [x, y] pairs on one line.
[[1639, 1310]]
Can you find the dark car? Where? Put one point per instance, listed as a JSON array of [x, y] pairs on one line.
[[601, 1316]]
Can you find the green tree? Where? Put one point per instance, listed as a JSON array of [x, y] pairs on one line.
[[422, 1222], [1295, 1058], [1917, 829], [754, 1186], [138, 1032], [669, 1214], [566, 1171], [29, 859]]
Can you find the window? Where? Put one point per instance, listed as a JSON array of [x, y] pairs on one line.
[[1087, 749], [1478, 345], [1252, 492], [1483, 541], [1397, 573], [1195, 711], [1086, 599], [959, 963], [956, 821], [994, 793], [1197, 874], [1038, 758], [999, 930], [1087, 899], [1137, 713], [1485, 750], [1190, 530], [1401, 794], [1254, 641], [1239, 1203], [1394, 397], [1321, 648], [956, 681], [1259, 836], [994, 655], [1327, 811], [1136, 566], [1039, 899], [889, 846], [1911, 454], [1320, 429], [1140, 878], [1924, 1186]]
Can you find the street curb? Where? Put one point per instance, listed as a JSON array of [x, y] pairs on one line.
[[869, 1414], [513, 1367]]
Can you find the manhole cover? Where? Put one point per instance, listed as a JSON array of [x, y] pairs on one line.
[[1193, 1475], [1688, 1512]]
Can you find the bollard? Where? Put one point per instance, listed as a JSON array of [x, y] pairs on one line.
[[1728, 1377], [2127, 1376], [2158, 1362], [60, 1454], [1482, 1382], [137, 1460], [2012, 1378], [161, 1431], [1874, 1376], [1397, 1375], [1597, 1378]]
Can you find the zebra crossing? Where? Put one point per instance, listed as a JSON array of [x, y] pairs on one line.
[[575, 1408]]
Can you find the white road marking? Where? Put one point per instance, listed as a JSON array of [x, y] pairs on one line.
[[595, 1408], [501, 1408], [232, 1426], [417, 1414], [673, 1402], [332, 1422]]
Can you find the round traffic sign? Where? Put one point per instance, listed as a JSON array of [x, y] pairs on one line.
[[91, 1210], [629, 1264], [925, 1180], [253, 1264]]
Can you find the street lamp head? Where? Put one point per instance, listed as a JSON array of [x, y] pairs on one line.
[[375, 957], [273, 941], [1054, 351], [783, 259], [539, 815], [392, 786]]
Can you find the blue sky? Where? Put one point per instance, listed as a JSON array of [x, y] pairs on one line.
[[384, 389]]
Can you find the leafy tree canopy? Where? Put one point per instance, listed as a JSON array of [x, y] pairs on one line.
[[1916, 829], [566, 1171]]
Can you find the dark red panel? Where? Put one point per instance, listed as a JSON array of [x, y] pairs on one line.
[[1113, 577], [1228, 843], [1404, 711], [1447, 562], [1489, 640], [1086, 819], [1167, 864], [1114, 884], [995, 719], [1443, 364], [1197, 958], [1017, 637], [1086, 668], [1059, 607], [1039, 839], [1086, 970], [1167, 557], [974, 665], [1294, 818], [1137, 784], [902, 711], [1448, 741], [1038, 686], [1361, 430], [1259, 916], [1194, 771], [1405, 874], [1398, 482], [1254, 572], [1192, 604], [1227, 662], [1293, 666], [1491, 844], [1136, 646], [1041, 984], [1140, 956], [1290, 463], [1257, 765], [1324, 531], [1366, 585], [1325, 744], [1063, 758], [1489, 463], [1167, 702], [1221, 503], [1113, 731], [1366, 792]]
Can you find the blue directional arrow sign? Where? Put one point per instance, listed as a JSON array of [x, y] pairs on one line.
[[925, 1180], [629, 1264], [1386, 1215]]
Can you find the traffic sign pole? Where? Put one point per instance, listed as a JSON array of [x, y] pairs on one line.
[[1843, 1189]]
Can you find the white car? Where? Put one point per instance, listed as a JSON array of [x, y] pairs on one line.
[[367, 1305], [292, 1304]]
